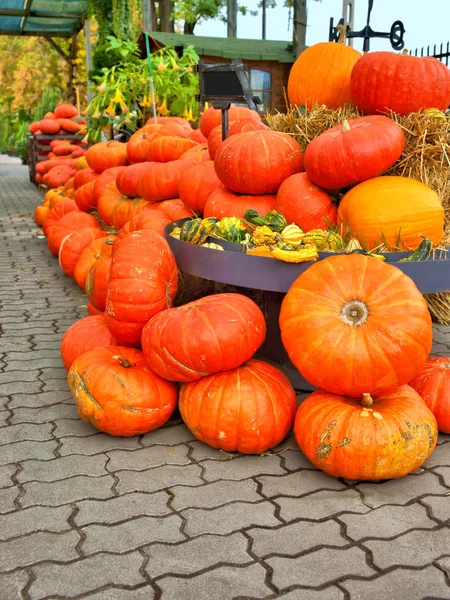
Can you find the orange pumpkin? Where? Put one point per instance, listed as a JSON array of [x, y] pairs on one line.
[[302, 202], [90, 255], [198, 153], [106, 155], [154, 220], [160, 180], [174, 209], [198, 136], [248, 409], [197, 183], [353, 324], [433, 385], [257, 162], [321, 75], [84, 176], [104, 179], [127, 179], [84, 335], [143, 281], [84, 197], [49, 126], [58, 176], [69, 126], [62, 220], [117, 393], [384, 437], [225, 203], [94, 311], [73, 245], [212, 117], [392, 210], [97, 282], [40, 214], [65, 111], [115, 209], [166, 148], [138, 147], [216, 333], [81, 163]]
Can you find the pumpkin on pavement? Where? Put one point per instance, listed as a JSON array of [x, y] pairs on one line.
[[116, 392], [353, 324], [433, 385], [73, 245], [372, 438], [248, 409], [215, 333]]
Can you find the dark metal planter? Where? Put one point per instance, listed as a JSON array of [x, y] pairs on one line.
[[234, 267]]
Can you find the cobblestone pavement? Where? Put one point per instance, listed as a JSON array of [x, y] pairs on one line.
[[84, 515]]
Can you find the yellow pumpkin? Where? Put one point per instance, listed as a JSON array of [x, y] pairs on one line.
[[392, 210], [321, 75]]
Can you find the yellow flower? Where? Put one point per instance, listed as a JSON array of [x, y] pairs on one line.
[[161, 67], [206, 106], [190, 116], [145, 102], [185, 113], [118, 98], [101, 88], [111, 110], [175, 66], [162, 108]]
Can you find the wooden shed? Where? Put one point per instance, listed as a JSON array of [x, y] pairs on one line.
[[268, 62]]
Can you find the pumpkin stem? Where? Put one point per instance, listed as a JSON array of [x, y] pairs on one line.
[[354, 313], [124, 362], [345, 126], [405, 51], [342, 33], [367, 400]]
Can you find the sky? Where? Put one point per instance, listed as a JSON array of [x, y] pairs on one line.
[[425, 21]]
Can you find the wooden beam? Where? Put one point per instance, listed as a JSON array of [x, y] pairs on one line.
[[232, 18], [147, 15], [88, 48], [47, 35], [15, 12], [58, 49], [300, 18], [27, 9]]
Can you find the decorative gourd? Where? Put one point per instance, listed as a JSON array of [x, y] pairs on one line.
[[115, 209], [73, 245], [272, 219], [357, 150], [116, 392], [231, 229], [248, 409], [212, 117], [167, 148], [225, 203], [316, 237], [197, 231], [106, 155], [264, 236], [197, 183], [393, 210], [90, 255], [352, 324], [292, 234], [305, 204], [97, 282], [385, 81], [423, 252], [384, 437], [304, 253], [127, 180], [154, 220], [433, 385], [160, 180], [143, 281], [321, 74], [257, 162], [216, 333], [85, 334]]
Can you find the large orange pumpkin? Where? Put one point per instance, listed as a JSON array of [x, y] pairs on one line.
[[353, 324], [90, 255], [385, 81], [65, 111], [116, 392], [198, 137], [303, 203], [357, 150], [73, 245], [62, 220], [198, 153], [127, 179], [58, 176], [116, 209], [216, 333], [138, 147], [212, 117], [321, 75], [155, 220], [143, 281], [159, 181], [97, 282], [257, 162], [174, 209], [433, 385], [225, 203], [84, 176], [94, 311], [104, 179], [248, 409], [196, 184], [49, 126], [85, 334], [384, 437], [106, 155], [167, 148], [85, 198], [392, 210]]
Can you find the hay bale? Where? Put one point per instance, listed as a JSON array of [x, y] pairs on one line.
[[426, 157]]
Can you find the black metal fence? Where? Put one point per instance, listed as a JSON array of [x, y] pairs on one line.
[[441, 52]]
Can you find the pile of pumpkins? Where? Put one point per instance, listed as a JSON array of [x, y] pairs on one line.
[[61, 160], [355, 327]]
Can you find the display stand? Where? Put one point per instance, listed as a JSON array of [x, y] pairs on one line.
[[41, 143], [233, 267]]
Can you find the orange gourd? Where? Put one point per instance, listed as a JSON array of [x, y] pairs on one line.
[[90, 255], [82, 336], [225, 203], [115, 209], [197, 183], [73, 245], [106, 155], [97, 282], [433, 385]]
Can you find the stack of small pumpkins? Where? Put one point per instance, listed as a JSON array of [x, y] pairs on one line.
[[359, 330]]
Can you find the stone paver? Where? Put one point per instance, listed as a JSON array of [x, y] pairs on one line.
[[87, 515]]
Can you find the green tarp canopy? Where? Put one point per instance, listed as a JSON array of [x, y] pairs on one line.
[[49, 18]]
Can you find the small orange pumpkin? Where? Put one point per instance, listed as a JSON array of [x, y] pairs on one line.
[[433, 385]]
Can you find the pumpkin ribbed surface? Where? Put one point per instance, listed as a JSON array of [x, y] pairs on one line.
[[74, 244], [85, 334], [225, 203], [88, 257], [248, 409], [115, 209], [433, 385], [354, 324]]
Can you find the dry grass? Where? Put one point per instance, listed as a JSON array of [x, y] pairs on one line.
[[426, 157]]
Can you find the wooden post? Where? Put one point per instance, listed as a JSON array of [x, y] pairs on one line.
[[300, 18], [264, 19], [232, 18], [147, 15], [88, 48], [348, 14]]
